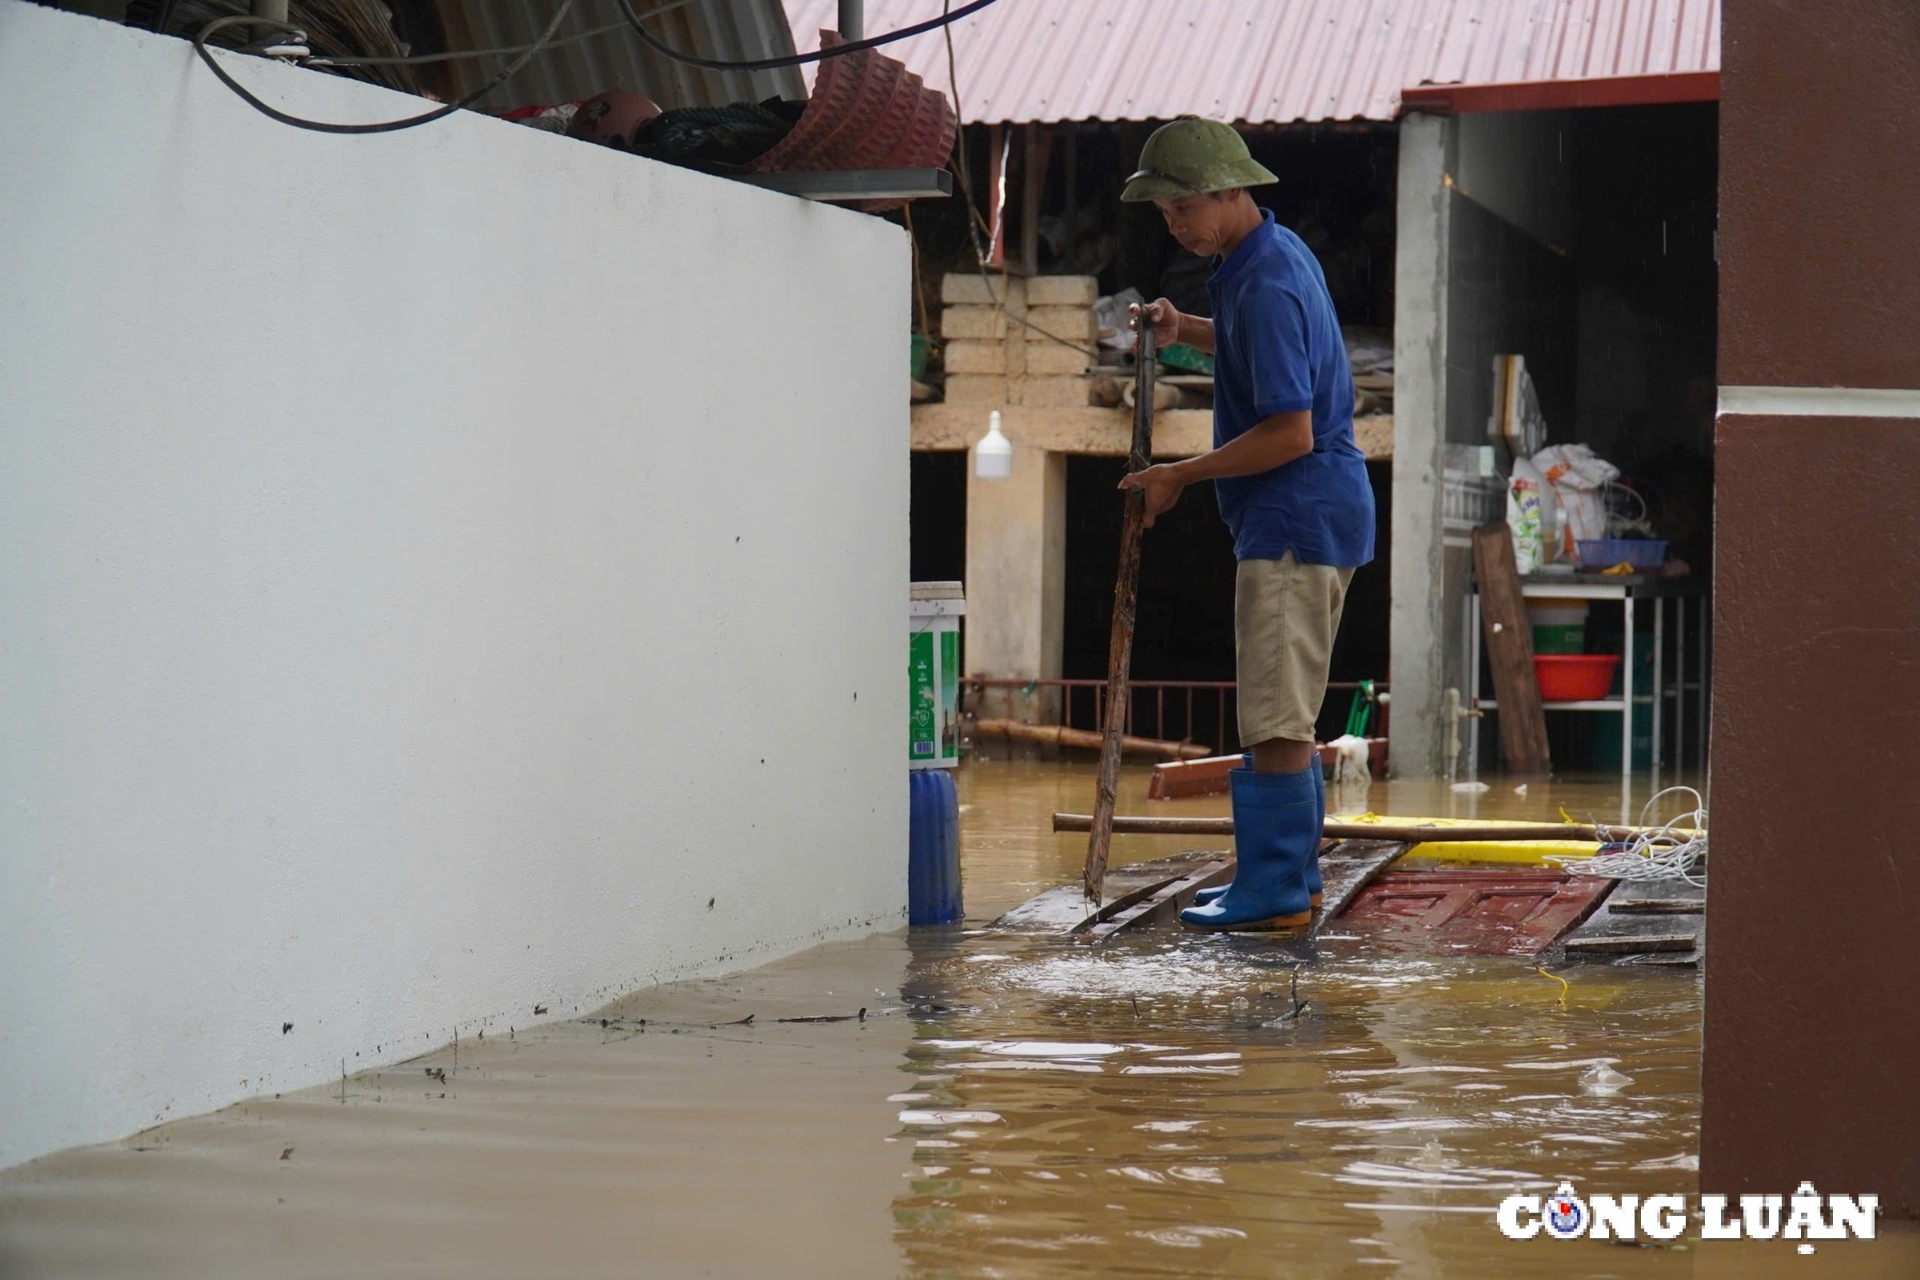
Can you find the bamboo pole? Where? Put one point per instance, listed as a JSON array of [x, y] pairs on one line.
[[1062, 736], [1415, 834], [1126, 595]]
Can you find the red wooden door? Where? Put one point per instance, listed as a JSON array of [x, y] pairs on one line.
[[1473, 910]]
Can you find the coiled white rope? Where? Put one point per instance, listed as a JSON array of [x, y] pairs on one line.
[[1675, 850]]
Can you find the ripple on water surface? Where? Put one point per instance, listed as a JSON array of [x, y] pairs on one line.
[[1156, 1115]]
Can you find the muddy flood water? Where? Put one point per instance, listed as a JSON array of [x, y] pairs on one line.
[[1009, 1106]]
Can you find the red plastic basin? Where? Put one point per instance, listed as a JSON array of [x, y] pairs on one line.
[[1574, 677]]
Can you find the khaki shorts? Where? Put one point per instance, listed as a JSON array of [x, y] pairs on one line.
[[1285, 615]]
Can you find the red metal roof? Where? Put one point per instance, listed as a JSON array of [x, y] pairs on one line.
[[1279, 61]]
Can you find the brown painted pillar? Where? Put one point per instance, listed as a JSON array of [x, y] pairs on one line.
[[1813, 982]]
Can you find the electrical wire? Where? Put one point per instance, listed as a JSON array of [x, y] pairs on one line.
[[629, 18], [384, 126], [976, 221], [624, 24], [795, 59], [421, 59], [1674, 850]]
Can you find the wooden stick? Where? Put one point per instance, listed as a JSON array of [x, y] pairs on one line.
[[1061, 736], [1509, 640], [1464, 834], [1126, 594]]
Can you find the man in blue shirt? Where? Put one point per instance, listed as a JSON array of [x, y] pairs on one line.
[[1292, 486]]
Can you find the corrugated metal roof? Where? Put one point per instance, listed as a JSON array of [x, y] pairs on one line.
[[734, 30], [1272, 61]]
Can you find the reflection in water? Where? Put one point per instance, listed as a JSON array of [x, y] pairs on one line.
[[1014, 1106]]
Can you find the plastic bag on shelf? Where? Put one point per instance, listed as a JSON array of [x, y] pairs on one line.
[[1525, 516], [1578, 479]]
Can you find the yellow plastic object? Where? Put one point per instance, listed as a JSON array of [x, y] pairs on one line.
[[1621, 570], [1522, 853], [1389, 820], [1513, 853]]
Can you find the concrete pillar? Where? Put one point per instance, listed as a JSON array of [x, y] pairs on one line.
[[1017, 576], [1416, 616]]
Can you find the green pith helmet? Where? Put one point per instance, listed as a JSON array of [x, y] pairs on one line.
[[1190, 156]]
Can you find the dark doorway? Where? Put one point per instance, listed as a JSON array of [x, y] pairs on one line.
[[938, 520], [1185, 627], [1626, 366], [1336, 190]]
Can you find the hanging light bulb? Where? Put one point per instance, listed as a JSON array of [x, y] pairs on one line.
[[993, 456]]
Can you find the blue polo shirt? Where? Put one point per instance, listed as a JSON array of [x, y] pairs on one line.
[[1277, 349]]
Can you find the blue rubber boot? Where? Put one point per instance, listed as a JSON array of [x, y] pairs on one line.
[[1205, 896], [1275, 832], [1319, 826]]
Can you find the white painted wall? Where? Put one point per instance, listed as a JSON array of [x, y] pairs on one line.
[[432, 566]]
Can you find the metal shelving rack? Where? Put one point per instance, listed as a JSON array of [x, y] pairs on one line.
[[1625, 591]]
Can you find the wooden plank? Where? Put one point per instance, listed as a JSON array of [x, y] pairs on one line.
[[1207, 777], [1675, 959], [1473, 911], [1035, 144], [1506, 369], [1663, 897], [1509, 639], [1612, 932], [1164, 903], [1126, 595], [1349, 867], [1413, 832], [1121, 904], [1063, 909], [1064, 736], [1345, 867]]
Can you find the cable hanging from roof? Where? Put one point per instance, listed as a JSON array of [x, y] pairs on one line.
[[973, 212], [629, 18], [384, 126], [794, 59]]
